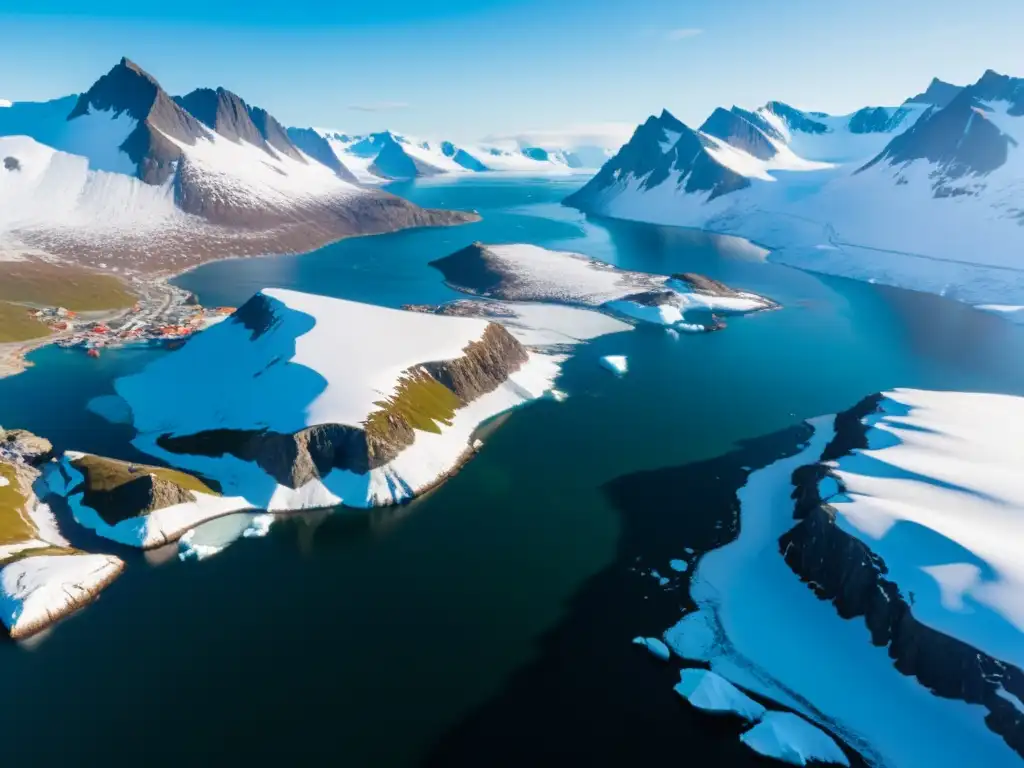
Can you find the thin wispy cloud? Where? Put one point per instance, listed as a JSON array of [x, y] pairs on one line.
[[683, 33], [379, 106]]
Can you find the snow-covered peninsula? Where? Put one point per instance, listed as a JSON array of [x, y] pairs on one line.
[[330, 402]]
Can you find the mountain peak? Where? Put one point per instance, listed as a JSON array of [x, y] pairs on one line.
[[939, 94], [125, 88], [736, 129], [671, 122]]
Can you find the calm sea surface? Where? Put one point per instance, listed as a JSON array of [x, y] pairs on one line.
[[387, 638]]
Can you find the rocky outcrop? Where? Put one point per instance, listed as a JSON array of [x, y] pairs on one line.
[[12, 164], [842, 569], [426, 395], [474, 269], [22, 445], [119, 490], [704, 285]]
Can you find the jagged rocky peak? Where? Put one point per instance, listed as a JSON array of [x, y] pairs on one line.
[[959, 138], [230, 116], [663, 147], [125, 88], [938, 94], [995, 87], [796, 119], [222, 111], [669, 122], [274, 133], [129, 90], [644, 155], [877, 120], [735, 128]]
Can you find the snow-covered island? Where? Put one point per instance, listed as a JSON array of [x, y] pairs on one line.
[[876, 582], [330, 402], [923, 194], [528, 273], [42, 578]]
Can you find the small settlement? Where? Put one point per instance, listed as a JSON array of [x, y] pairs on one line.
[[170, 326]]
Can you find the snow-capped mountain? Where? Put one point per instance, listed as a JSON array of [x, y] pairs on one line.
[[124, 173], [925, 194], [387, 156]]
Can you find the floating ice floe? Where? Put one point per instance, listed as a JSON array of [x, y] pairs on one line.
[[791, 739], [657, 648], [615, 363], [713, 693]]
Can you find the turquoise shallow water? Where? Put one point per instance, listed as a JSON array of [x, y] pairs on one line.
[[362, 639]]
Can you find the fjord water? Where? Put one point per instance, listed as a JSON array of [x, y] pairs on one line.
[[364, 638]]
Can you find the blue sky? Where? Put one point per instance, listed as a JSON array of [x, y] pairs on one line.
[[464, 69]]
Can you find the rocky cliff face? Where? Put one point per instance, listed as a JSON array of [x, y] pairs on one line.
[[426, 395], [842, 569], [120, 490]]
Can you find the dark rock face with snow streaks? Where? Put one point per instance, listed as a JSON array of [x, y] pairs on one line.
[[842, 569]]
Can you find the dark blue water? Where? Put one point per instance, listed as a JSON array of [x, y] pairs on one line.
[[364, 639]]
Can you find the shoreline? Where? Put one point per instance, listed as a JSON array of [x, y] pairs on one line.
[[789, 256], [13, 355], [589, 691]]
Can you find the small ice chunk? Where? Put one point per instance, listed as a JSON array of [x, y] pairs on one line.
[[791, 739], [615, 363], [713, 693], [655, 646], [680, 566], [662, 580], [557, 395], [258, 527], [672, 333]]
